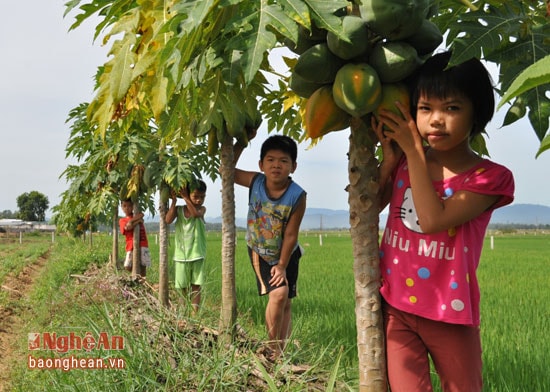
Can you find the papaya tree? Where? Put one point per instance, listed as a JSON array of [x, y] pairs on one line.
[[199, 68]]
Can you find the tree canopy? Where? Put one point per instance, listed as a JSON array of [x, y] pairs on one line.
[[181, 73], [32, 206]]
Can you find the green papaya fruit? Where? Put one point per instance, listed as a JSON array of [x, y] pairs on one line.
[[426, 39], [357, 38], [394, 60], [302, 87], [213, 145], [164, 193], [394, 19], [318, 64]]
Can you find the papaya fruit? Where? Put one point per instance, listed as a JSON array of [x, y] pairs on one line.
[[357, 38], [394, 19], [322, 115], [234, 125], [426, 39], [394, 60], [164, 193], [392, 92], [148, 177], [302, 87], [213, 145], [357, 89], [318, 64]]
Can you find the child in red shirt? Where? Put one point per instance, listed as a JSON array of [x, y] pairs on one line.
[[127, 225]]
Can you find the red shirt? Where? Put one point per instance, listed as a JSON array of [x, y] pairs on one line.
[[434, 275], [129, 234]]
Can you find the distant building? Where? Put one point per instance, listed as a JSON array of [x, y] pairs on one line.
[[20, 225]]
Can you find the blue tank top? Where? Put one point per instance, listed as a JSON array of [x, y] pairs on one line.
[[267, 217]]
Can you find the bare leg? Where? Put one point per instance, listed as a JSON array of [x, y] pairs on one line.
[[276, 319], [286, 326], [195, 298]]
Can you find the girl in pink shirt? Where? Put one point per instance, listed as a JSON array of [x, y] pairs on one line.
[[441, 195]]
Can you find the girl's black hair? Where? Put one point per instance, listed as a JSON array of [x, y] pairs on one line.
[[469, 79], [280, 143], [196, 185]]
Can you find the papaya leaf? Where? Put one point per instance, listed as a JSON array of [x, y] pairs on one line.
[[323, 12], [535, 75], [544, 146], [479, 32], [122, 71], [515, 112], [539, 114]]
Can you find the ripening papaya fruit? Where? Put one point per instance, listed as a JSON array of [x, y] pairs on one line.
[[394, 60], [318, 64], [322, 115], [394, 19], [357, 89], [426, 39], [357, 34], [391, 93]]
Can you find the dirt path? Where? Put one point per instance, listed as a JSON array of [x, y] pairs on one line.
[[12, 317]]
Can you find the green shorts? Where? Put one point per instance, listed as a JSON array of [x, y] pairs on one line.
[[189, 273]]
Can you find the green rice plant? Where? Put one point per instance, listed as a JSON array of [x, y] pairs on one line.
[[515, 313], [159, 356]]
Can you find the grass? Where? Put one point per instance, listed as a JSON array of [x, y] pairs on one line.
[[515, 315]]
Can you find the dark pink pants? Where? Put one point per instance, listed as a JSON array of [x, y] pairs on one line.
[[454, 349]]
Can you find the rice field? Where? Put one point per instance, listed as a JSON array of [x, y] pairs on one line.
[[514, 277], [515, 306]]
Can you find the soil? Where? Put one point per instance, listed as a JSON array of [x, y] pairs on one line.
[[12, 316]]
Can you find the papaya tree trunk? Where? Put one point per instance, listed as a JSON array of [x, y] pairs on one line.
[[163, 257], [136, 254], [115, 262], [364, 210], [229, 302]]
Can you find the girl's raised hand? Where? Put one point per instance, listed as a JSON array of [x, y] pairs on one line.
[[390, 150], [400, 127]]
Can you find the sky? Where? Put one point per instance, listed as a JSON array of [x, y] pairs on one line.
[[47, 70]]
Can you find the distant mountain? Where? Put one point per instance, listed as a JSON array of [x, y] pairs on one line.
[[530, 214], [323, 218], [314, 219]]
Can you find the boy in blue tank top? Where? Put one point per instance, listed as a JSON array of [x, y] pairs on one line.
[[276, 207]]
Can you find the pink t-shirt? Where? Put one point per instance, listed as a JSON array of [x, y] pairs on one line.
[[434, 275]]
